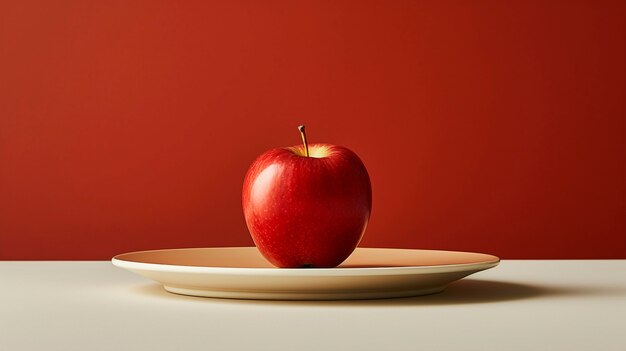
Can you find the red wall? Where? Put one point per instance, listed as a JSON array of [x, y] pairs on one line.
[[495, 126]]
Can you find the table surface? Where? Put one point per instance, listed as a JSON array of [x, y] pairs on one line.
[[519, 305]]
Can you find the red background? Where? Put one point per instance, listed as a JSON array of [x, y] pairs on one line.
[[494, 126]]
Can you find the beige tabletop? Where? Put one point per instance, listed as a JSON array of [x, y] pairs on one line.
[[519, 305]]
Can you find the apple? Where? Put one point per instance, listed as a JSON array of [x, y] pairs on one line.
[[308, 205]]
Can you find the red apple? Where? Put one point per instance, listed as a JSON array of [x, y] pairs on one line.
[[307, 206]]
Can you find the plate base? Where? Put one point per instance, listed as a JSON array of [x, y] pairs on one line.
[[276, 295]]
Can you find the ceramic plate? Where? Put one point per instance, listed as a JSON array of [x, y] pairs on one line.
[[242, 273]]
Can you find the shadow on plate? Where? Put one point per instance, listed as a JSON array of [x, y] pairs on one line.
[[467, 291]]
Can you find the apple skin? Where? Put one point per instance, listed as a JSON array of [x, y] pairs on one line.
[[307, 211]]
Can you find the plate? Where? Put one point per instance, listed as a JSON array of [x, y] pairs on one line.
[[243, 273]]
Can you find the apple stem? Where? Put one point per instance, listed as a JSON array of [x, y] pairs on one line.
[[303, 134]]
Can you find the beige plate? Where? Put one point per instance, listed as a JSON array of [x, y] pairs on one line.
[[242, 273]]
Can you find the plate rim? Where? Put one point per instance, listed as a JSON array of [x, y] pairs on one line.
[[313, 272]]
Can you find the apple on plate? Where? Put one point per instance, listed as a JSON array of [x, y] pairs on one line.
[[308, 205]]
